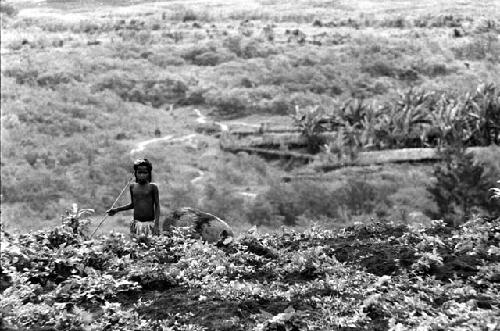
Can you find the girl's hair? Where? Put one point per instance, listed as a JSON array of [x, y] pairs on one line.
[[143, 162]]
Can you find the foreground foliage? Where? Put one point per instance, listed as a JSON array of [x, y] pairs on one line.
[[371, 277]]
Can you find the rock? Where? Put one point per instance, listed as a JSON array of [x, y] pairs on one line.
[[209, 227]]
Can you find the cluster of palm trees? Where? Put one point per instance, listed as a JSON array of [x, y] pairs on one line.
[[415, 119]]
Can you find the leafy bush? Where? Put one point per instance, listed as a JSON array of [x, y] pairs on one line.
[[233, 43], [461, 186], [157, 92], [52, 79], [255, 48], [433, 69], [190, 53], [296, 280], [181, 195], [231, 103], [380, 68], [35, 77], [22, 76], [300, 79], [280, 104], [240, 101], [212, 58], [481, 47], [261, 212], [219, 199], [164, 60], [302, 198], [8, 9], [309, 123], [362, 197], [249, 48], [195, 96]]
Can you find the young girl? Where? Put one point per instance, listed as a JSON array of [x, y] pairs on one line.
[[144, 199]]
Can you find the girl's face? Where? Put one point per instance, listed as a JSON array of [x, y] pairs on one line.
[[142, 174]]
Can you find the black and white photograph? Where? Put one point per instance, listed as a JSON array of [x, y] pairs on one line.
[[250, 165]]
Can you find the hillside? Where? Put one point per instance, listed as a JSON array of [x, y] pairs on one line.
[[364, 277], [84, 83], [329, 236]]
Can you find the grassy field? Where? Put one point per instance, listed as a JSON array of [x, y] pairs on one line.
[[83, 82]]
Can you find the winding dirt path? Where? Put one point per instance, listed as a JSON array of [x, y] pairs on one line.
[[201, 119]]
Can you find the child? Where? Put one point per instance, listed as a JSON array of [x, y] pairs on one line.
[[144, 199]]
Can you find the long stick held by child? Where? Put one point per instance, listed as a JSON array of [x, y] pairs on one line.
[[118, 197]]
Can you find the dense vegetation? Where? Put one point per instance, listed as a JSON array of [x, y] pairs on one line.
[[68, 126], [413, 119], [377, 276]]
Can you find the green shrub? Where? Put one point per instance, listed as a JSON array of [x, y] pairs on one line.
[[157, 92], [86, 26], [52, 79], [461, 186], [305, 99], [22, 75], [380, 68], [278, 105], [194, 96], [360, 196], [233, 43], [400, 22], [219, 199], [433, 69], [308, 121], [299, 78], [316, 199], [190, 53], [189, 15], [260, 212], [143, 37], [291, 200], [38, 186], [228, 102], [180, 195], [212, 58], [34, 77], [8, 9], [254, 48], [164, 60], [480, 47], [249, 48]]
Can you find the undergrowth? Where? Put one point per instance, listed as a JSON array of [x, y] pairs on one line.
[[377, 276]]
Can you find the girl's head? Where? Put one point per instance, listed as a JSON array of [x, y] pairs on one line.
[[143, 169]]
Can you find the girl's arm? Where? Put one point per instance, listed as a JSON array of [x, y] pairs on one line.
[[113, 211], [156, 198]]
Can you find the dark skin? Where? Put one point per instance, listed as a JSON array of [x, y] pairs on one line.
[[144, 199]]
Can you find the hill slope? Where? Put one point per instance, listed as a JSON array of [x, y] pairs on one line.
[[368, 277]]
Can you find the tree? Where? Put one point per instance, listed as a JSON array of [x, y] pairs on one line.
[[461, 185]]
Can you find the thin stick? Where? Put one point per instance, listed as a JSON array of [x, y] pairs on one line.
[[112, 206]]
